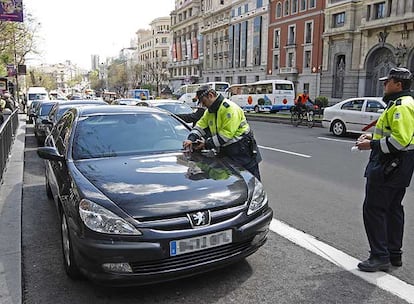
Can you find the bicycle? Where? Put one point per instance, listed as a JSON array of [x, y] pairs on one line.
[[298, 116]]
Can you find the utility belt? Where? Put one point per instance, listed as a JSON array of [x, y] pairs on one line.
[[244, 151]]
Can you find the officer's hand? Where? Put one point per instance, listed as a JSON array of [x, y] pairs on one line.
[[365, 136], [199, 144], [187, 144], [364, 144]]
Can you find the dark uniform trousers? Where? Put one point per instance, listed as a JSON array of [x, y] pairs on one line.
[[382, 204]]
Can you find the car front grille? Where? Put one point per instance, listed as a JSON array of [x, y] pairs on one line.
[[181, 222], [191, 259]]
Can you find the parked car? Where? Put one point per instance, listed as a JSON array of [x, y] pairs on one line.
[[31, 109], [41, 114], [173, 106], [354, 115], [126, 101], [134, 208]]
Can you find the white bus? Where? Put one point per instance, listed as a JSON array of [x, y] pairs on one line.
[[187, 92], [264, 95]]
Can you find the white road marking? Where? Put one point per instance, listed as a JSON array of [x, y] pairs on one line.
[[381, 279], [284, 151], [340, 140]]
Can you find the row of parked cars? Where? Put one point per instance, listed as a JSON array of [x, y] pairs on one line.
[[133, 206]]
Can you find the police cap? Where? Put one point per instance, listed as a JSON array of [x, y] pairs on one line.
[[203, 91], [398, 73]]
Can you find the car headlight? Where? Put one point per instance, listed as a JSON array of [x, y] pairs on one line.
[[100, 219], [259, 197]]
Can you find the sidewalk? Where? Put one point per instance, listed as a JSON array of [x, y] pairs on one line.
[[285, 119], [10, 221]]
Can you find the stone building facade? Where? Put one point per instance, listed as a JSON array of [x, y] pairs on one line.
[[362, 41], [185, 65]]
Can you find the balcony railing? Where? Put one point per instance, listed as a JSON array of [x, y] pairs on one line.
[[288, 70]]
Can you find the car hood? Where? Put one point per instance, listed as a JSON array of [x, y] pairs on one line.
[[165, 185]]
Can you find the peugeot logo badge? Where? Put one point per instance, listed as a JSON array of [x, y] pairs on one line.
[[200, 218]]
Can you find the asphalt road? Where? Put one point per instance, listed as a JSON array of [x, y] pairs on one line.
[[321, 195]]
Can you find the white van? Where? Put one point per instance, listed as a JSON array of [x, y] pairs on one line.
[[36, 93]]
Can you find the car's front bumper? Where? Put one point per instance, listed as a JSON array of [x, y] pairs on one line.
[[150, 257]]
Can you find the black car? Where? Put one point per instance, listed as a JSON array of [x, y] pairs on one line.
[[40, 115], [136, 209]]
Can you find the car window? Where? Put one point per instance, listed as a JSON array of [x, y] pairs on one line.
[[45, 109], [125, 134], [65, 127], [353, 105], [176, 108], [374, 106]]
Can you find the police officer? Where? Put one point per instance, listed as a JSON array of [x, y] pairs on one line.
[[389, 172], [224, 127]]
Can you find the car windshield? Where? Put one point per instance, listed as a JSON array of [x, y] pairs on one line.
[[45, 109], [127, 134], [176, 108]]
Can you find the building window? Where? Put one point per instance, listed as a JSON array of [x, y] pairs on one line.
[[290, 60], [294, 6], [276, 62], [303, 5], [305, 87], [379, 9], [279, 10], [291, 35], [246, 8], [312, 3], [276, 39], [257, 78], [308, 58], [308, 32], [257, 40], [339, 19], [339, 76], [286, 8], [239, 12], [164, 40], [259, 3]]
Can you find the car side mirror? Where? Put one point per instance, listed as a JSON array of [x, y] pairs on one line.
[[49, 153]]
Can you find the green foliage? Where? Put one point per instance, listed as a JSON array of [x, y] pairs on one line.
[[322, 100]]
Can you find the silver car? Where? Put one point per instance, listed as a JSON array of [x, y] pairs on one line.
[[353, 115]]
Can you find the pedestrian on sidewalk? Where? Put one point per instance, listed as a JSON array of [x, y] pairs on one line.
[[389, 172]]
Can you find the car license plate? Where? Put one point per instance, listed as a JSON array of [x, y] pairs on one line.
[[200, 242]]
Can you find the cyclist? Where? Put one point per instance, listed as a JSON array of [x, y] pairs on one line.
[[303, 103]]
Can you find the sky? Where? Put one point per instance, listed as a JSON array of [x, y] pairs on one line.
[[76, 29]]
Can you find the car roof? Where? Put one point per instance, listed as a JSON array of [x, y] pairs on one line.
[[104, 110], [48, 102], [80, 101]]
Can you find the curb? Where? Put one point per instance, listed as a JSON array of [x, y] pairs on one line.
[[10, 221], [273, 119]]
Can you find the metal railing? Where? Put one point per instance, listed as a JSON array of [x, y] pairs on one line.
[[7, 135]]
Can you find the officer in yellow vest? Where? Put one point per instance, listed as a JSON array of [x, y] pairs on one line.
[[224, 127], [389, 172]]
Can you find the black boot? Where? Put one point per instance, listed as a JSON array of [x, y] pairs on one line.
[[396, 260], [374, 264]]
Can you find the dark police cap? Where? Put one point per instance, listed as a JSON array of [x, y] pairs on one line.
[[398, 73], [203, 91]]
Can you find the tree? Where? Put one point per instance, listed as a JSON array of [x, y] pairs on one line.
[[117, 76], [158, 74], [17, 39], [40, 79]]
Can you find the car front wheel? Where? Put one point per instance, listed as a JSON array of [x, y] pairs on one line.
[[71, 268], [338, 128]]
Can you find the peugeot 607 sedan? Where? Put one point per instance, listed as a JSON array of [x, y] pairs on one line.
[[135, 208]]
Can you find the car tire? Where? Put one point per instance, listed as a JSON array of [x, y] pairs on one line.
[[338, 128], [256, 109], [69, 261]]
